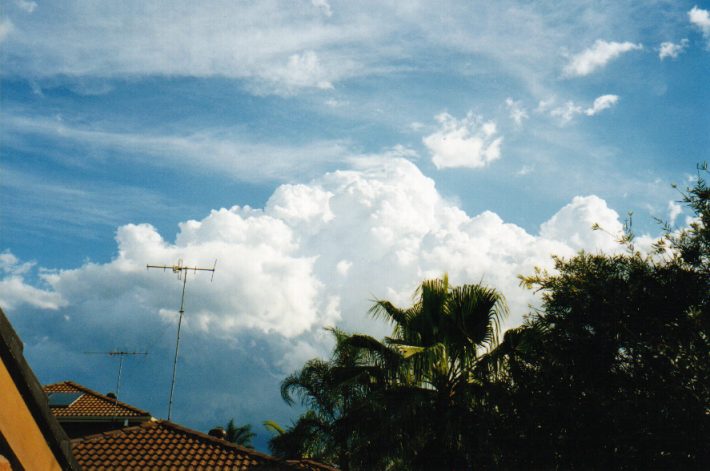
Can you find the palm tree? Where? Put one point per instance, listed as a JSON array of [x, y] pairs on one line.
[[241, 435], [439, 339], [404, 402], [336, 393]]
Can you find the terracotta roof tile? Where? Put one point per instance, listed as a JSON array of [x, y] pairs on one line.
[[165, 445], [91, 403]]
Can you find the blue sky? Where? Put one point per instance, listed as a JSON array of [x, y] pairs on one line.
[[326, 153]]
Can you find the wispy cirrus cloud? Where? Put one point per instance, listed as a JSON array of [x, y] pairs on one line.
[[282, 45], [597, 56], [28, 6], [290, 47], [6, 28], [222, 150], [516, 110], [324, 6]]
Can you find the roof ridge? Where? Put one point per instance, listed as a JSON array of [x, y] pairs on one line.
[[100, 396], [209, 438]]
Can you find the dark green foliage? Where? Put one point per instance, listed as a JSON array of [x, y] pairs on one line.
[[401, 403], [241, 435], [612, 372], [615, 370]]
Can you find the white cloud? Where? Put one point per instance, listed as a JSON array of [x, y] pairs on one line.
[[255, 42], [601, 103], [517, 111], [569, 110], [6, 28], [274, 47], [223, 150], [316, 254], [469, 142], [572, 224], [27, 5], [701, 19], [545, 105], [333, 103], [15, 292], [302, 70], [672, 50], [525, 170], [566, 112], [324, 6], [674, 210], [597, 57], [11, 264]]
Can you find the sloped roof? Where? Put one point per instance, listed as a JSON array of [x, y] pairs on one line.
[[91, 404], [160, 444], [27, 385]]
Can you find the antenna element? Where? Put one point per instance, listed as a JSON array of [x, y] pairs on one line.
[[181, 272], [121, 355]]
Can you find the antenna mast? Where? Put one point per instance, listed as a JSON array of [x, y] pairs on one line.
[[181, 272], [121, 355]]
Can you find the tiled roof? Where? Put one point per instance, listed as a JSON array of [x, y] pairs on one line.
[[91, 404], [165, 445]]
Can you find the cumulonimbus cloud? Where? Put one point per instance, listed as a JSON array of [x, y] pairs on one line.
[[317, 252], [315, 255]]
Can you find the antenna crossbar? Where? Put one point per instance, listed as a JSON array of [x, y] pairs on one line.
[[181, 271], [121, 354]]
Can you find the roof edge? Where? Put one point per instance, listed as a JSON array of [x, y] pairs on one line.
[[101, 396], [181, 429], [11, 351]]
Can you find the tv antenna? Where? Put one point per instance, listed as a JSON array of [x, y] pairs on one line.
[[121, 355], [181, 272]]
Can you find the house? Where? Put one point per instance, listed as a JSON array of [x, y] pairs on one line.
[[109, 434], [82, 411], [120, 436], [160, 444], [30, 436]]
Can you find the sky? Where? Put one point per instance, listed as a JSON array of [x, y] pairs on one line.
[[326, 154]]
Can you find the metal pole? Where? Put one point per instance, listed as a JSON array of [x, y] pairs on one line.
[[121, 355], [118, 386], [181, 271], [177, 346]]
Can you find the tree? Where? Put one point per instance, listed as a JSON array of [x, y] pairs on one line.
[[441, 338], [333, 391], [404, 402], [241, 435], [613, 370]]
